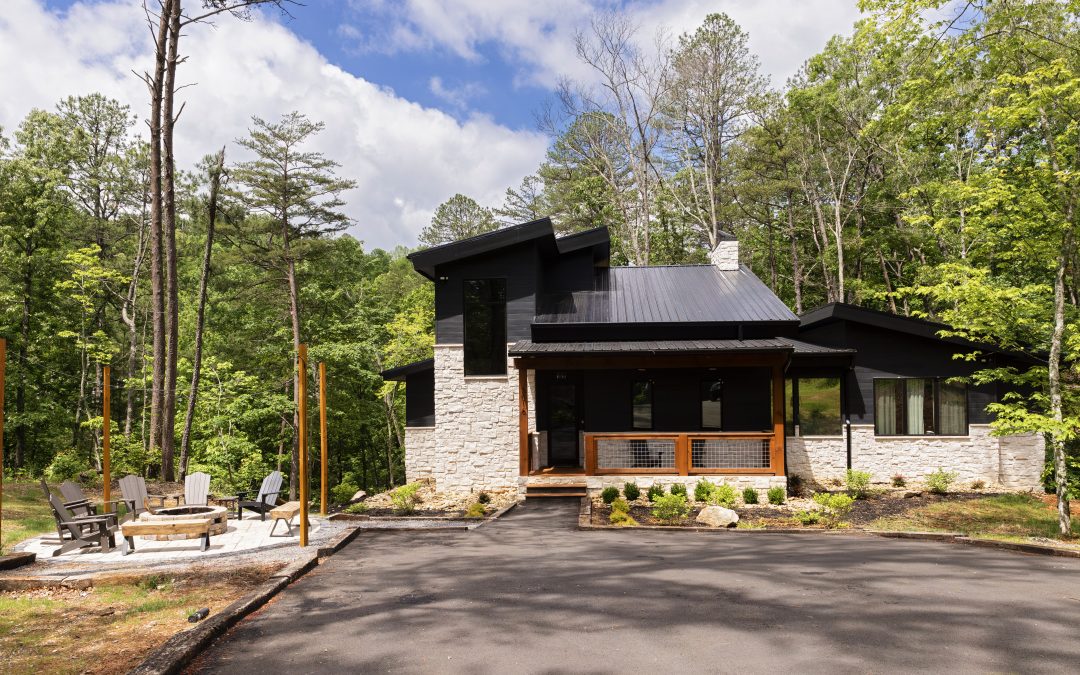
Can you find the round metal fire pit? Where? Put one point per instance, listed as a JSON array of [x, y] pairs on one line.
[[217, 515]]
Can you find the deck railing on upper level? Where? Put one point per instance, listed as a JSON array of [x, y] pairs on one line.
[[682, 453]]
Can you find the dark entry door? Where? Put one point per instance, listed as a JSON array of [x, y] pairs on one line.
[[564, 418]]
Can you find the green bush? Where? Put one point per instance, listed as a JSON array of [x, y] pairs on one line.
[[858, 483], [609, 494], [483, 498], [898, 480], [404, 498], [671, 507], [723, 495], [358, 507], [631, 491], [808, 517], [776, 495], [835, 505], [678, 489], [703, 490], [620, 505], [340, 494], [749, 496], [622, 519], [655, 490], [67, 465], [475, 510], [939, 481]]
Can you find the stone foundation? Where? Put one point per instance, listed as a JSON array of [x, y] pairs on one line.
[[419, 452], [1014, 462]]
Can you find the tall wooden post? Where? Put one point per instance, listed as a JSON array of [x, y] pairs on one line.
[[301, 365], [324, 473], [3, 362], [106, 413]]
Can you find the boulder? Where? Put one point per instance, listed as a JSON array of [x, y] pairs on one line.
[[358, 497], [717, 516]]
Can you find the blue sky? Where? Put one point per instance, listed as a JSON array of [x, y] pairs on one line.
[[421, 98]]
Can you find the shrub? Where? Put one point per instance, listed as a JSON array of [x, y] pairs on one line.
[[835, 505], [776, 495], [404, 498], [609, 494], [939, 481], [622, 519], [655, 490], [723, 495], [808, 517], [795, 485], [703, 490], [749, 496], [475, 510], [483, 498], [678, 489], [670, 507], [67, 465], [339, 494], [620, 505], [631, 491], [358, 507], [835, 482], [858, 483], [898, 480], [978, 485]]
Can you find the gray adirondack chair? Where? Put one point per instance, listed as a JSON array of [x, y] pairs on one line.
[[73, 494], [82, 531], [196, 488], [266, 499], [80, 507], [133, 489]]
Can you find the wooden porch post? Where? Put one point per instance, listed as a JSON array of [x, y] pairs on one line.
[[523, 420], [777, 456]]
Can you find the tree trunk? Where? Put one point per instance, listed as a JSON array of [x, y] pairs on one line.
[[172, 301], [1060, 468], [294, 316], [24, 360], [200, 321]]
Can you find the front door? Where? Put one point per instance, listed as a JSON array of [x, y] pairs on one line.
[[564, 421]]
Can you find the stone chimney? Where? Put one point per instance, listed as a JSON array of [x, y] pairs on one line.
[[726, 254]]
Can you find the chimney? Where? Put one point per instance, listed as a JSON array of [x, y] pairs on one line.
[[726, 254]]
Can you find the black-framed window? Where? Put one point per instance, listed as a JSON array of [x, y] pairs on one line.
[[712, 405], [919, 406], [485, 326], [812, 404], [641, 400]]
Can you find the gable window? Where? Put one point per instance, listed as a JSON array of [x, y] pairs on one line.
[[919, 406], [712, 392], [813, 406], [485, 326], [641, 400]]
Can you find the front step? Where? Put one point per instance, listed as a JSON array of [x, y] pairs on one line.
[[556, 490]]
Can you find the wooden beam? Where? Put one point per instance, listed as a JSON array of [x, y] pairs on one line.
[[523, 421], [631, 361], [106, 422], [323, 470], [301, 364], [777, 444]]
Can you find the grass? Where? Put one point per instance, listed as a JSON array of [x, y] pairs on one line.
[[109, 628], [1012, 517], [26, 513]]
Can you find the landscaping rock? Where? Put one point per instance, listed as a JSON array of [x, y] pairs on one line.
[[358, 497], [717, 516], [912, 494]]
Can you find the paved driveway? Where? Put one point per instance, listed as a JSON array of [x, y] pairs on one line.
[[529, 594]]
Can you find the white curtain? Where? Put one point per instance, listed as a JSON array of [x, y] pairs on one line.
[[885, 407], [916, 392], [953, 409]]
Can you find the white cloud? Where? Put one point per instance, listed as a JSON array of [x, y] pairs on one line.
[[406, 158], [459, 96], [539, 35]]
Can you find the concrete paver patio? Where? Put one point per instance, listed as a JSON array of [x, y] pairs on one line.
[[531, 594]]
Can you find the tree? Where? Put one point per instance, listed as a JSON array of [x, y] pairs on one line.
[[298, 194], [457, 218], [524, 203]]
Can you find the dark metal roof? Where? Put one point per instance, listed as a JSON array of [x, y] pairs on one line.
[[597, 236], [425, 261], [529, 348], [401, 372], [668, 294]]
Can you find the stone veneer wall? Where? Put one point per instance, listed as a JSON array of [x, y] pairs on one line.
[[1011, 461], [726, 255], [419, 452]]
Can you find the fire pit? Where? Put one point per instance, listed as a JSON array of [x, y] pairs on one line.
[[217, 515]]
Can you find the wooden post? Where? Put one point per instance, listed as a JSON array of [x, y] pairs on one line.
[[777, 446], [3, 362], [301, 365], [323, 470], [106, 404]]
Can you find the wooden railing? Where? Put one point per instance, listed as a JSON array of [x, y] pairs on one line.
[[683, 454]]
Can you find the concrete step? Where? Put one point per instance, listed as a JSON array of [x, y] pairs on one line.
[[556, 490]]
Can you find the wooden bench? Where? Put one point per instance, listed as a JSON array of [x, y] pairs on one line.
[[135, 528], [286, 512]]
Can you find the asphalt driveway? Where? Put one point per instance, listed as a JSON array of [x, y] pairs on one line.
[[530, 594]]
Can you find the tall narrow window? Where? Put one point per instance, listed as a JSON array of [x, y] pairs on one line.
[[712, 392], [953, 410], [485, 326], [641, 399], [919, 406], [819, 406]]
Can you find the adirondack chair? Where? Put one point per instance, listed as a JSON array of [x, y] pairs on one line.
[[133, 489], [266, 500], [83, 531], [73, 494], [79, 507], [196, 489]]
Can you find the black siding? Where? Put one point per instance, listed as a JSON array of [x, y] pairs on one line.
[[420, 399], [518, 265]]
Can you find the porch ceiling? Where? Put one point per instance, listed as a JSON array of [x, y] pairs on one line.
[[768, 345]]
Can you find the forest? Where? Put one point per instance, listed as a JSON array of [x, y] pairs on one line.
[[927, 164]]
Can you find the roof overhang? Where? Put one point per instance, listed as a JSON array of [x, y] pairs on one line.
[[401, 372], [427, 260], [647, 347]]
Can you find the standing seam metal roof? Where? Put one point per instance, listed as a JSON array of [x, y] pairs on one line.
[[668, 294], [529, 348]]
